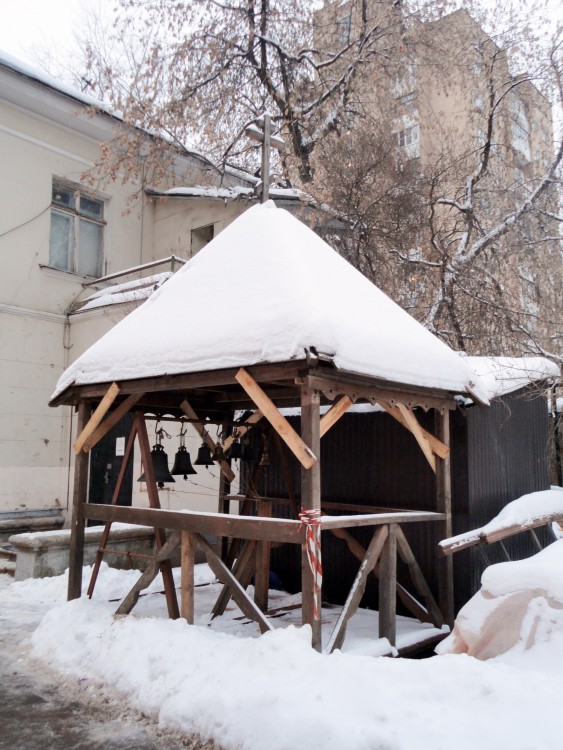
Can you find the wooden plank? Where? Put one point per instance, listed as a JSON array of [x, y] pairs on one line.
[[420, 438], [243, 570], [242, 527], [206, 437], [154, 502], [445, 571], [437, 446], [97, 416], [239, 595], [262, 582], [187, 560], [388, 587], [418, 578], [77, 524], [241, 431], [110, 421], [358, 587], [297, 446], [373, 389], [281, 371], [336, 411], [311, 500], [149, 574], [407, 599], [376, 519], [496, 536]]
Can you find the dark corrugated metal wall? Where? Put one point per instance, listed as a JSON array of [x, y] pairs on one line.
[[498, 454]]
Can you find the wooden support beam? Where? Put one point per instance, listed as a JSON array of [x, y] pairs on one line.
[[444, 505], [77, 524], [154, 502], [311, 500], [262, 581], [336, 411], [358, 587], [388, 587], [297, 446], [418, 578], [97, 416], [149, 574], [245, 603], [110, 421], [407, 599], [420, 438], [187, 560], [436, 445], [243, 570], [208, 440]]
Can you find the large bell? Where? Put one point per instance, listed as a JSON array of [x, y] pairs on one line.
[[204, 457], [160, 466], [182, 463]]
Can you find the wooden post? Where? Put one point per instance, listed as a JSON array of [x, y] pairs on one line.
[[79, 496], [262, 581], [444, 505], [388, 587], [187, 582], [310, 499]]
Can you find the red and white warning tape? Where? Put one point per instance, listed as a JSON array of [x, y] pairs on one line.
[[312, 520]]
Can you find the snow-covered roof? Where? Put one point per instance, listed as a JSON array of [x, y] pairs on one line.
[[226, 193], [266, 290], [135, 291], [503, 375]]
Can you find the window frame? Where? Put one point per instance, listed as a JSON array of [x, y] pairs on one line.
[[76, 213]]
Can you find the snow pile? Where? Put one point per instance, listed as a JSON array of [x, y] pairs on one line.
[[528, 509], [503, 375], [517, 614], [275, 692], [300, 295]]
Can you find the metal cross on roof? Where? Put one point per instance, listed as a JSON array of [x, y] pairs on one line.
[[268, 141]]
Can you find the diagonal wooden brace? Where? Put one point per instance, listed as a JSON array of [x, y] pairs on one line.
[[280, 424], [97, 416]]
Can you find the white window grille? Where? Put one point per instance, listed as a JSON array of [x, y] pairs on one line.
[[77, 231]]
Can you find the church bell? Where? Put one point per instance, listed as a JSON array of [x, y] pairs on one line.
[[160, 466]]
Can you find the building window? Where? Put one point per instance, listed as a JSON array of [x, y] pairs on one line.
[[520, 130], [201, 236], [343, 29], [408, 136], [77, 231]]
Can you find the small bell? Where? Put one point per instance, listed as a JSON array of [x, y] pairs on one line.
[[204, 457], [182, 463], [160, 466], [235, 451]]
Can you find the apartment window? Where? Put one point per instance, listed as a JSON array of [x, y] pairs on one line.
[[77, 231], [408, 136], [201, 236], [520, 130], [343, 29]]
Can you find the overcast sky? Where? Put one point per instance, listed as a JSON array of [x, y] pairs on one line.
[[29, 27]]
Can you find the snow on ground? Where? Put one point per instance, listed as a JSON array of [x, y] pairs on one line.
[[275, 692]]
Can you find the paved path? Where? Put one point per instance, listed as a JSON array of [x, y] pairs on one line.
[[40, 712]]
